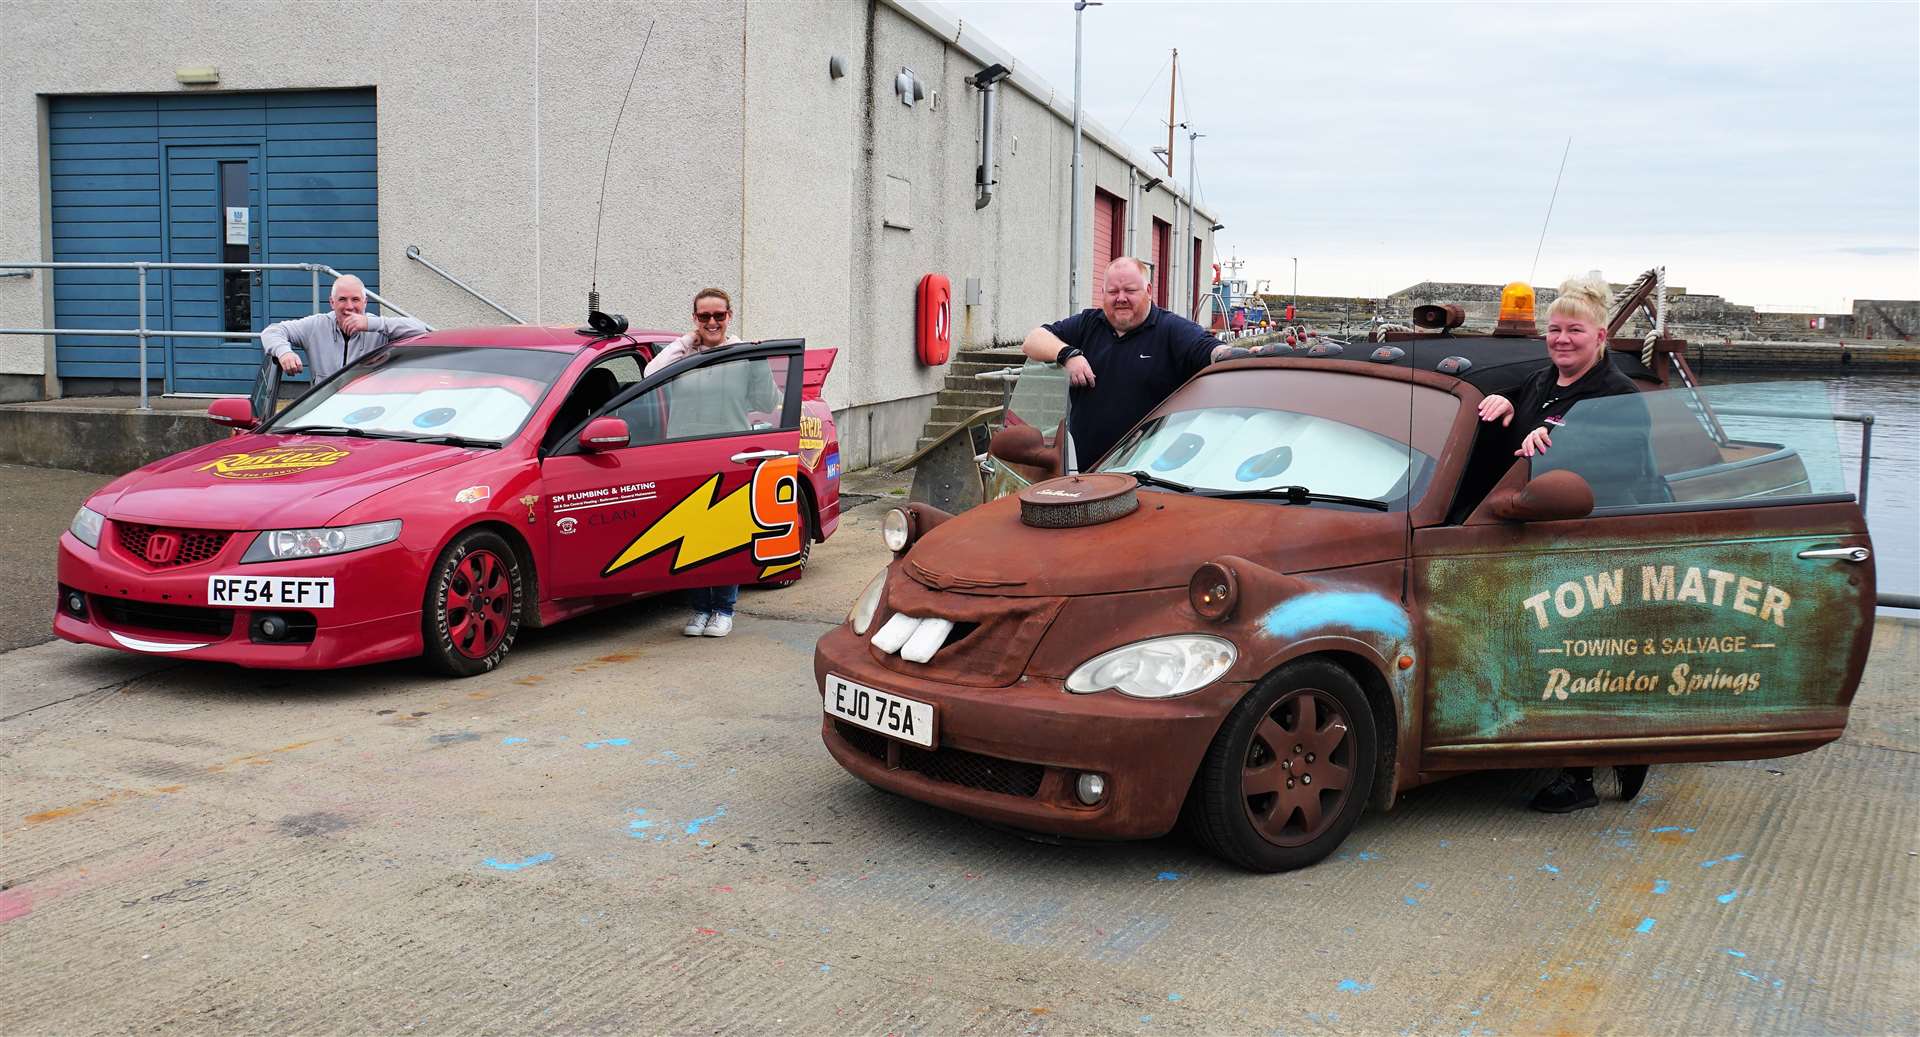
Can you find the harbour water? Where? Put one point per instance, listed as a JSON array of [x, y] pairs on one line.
[[1893, 490]]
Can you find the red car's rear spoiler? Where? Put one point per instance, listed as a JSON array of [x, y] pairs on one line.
[[819, 362]]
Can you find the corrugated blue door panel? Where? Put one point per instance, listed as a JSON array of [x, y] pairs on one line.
[[287, 148], [104, 169]]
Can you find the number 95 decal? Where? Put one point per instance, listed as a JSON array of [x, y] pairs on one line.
[[763, 515]]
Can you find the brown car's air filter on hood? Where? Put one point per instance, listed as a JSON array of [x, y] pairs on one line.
[[1078, 500]]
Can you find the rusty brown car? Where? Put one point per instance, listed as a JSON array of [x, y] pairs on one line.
[[1306, 584]]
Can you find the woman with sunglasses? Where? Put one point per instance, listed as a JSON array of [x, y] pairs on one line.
[[712, 313]]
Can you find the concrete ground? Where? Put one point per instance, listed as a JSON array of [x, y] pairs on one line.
[[625, 830]]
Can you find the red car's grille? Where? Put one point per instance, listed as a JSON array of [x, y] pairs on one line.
[[164, 547]]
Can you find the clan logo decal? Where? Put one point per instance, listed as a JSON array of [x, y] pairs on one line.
[[272, 463], [763, 515]]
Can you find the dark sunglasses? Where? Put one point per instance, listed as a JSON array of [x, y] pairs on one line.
[[705, 317]]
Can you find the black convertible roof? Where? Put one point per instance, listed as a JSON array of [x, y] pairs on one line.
[[1489, 364]]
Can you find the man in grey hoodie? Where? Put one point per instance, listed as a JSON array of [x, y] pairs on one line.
[[333, 340]]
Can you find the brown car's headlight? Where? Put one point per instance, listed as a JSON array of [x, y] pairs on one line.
[[1158, 669]]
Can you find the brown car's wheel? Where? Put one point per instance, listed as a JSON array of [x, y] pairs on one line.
[[472, 612], [1289, 772]]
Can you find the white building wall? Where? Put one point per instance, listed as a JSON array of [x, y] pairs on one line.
[[739, 163]]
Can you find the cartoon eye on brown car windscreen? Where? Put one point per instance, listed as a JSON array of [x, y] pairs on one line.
[[1303, 585]]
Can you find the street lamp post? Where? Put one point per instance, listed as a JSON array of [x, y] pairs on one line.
[[1073, 212], [1193, 300], [1296, 284]]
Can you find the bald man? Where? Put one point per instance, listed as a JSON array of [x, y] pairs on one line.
[[333, 340], [1121, 359]]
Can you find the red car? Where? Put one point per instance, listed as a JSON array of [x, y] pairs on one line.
[[438, 495]]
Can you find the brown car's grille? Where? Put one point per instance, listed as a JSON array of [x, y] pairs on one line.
[[987, 773], [180, 619], [188, 546], [862, 739], [953, 766]]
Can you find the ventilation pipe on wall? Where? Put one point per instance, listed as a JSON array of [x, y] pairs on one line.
[[986, 81]]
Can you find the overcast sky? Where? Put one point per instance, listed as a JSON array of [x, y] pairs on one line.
[[1766, 153]]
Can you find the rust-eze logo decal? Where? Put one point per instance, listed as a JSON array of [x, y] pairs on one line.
[[272, 463], [763, 515], [1670, 663], [813, 440]]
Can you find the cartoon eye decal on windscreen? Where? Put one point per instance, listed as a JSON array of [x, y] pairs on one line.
[[1265, 465], [435, 417], [364, 414], [1179, 452]]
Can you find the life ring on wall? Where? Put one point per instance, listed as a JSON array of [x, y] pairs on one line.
[[933, 329]]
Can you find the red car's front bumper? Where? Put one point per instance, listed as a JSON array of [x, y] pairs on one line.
[[134, 607], [1013, 755]]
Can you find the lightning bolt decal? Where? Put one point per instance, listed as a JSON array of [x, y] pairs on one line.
[[703, 527]]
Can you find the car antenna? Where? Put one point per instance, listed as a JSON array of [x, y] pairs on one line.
[[598, 323]]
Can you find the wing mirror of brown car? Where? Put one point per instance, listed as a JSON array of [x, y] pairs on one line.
[[232, 412], [1551, 496], [1024, 445], [603, 434]]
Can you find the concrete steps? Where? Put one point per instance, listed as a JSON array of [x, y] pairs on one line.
[[964, 393]]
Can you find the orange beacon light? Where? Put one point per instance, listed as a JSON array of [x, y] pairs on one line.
[[1516, 312]]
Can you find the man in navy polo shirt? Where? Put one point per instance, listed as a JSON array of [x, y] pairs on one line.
[[1121, 359]]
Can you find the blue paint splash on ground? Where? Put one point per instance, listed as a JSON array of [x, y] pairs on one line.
[[1357, 610], [511, 741], [1411, 902], [1646, 926], [1175, 997], [1673, 828], [500, 865], [1660, 886], [1367, 855], [694, 826], [1169, 876], [1550, 869], [1354, 986], [606, 742], [1736, 954], [1728, 859], [1728, 897]]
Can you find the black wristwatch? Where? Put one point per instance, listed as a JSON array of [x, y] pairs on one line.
[[1060, 359]]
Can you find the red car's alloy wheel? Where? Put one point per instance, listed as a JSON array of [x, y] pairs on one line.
[[1299, 769], [479, 598]]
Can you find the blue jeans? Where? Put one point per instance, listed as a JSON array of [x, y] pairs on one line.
[[716, 599]]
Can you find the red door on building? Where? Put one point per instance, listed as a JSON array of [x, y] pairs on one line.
[[1105, 208], [1162, 237]]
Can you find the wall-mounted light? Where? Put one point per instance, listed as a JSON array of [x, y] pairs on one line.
[[1216, 226], [1152, 182], [201, 75], [836, 67]]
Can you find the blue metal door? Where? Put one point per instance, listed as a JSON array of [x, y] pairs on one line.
[[202, 184]]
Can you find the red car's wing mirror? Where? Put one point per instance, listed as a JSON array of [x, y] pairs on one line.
[[232, 412], [603, 434]]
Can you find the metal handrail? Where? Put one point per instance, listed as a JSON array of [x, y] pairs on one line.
[[143, 333], [413, 253]]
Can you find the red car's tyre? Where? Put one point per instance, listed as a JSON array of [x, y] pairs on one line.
[[1289, 773], [794, 575], [472, 608]]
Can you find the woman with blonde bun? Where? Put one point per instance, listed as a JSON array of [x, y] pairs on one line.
[[1579, 370]]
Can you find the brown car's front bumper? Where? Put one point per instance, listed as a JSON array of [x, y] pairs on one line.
[[1012, 755]]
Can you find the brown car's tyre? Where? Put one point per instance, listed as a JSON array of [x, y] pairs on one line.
[[1288, 774], [472, 608]]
